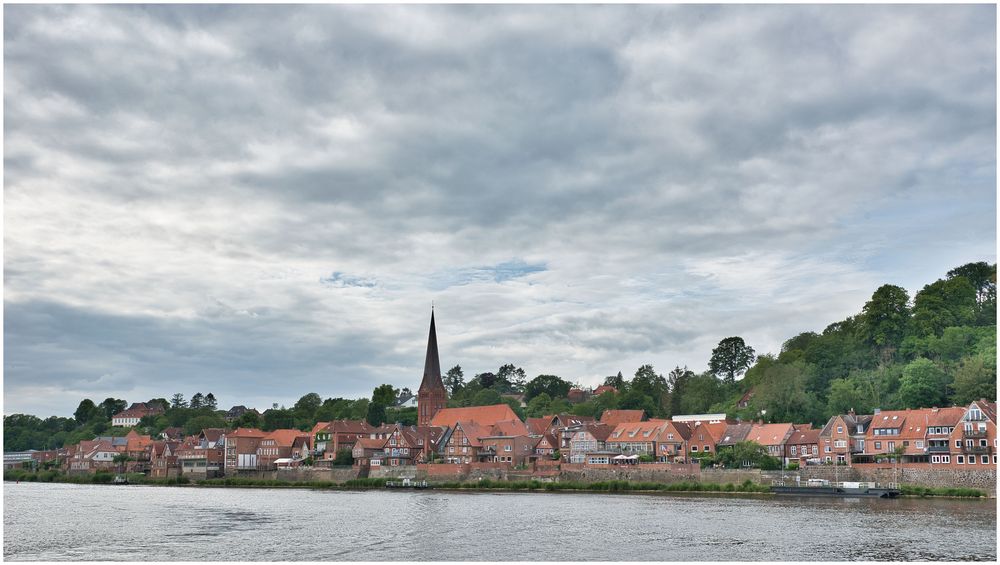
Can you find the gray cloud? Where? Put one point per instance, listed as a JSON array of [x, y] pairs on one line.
[[265, 196]]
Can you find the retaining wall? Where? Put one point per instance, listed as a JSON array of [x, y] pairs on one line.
[[983, 479]]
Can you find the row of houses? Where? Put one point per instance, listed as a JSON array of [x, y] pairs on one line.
[[954, 436]]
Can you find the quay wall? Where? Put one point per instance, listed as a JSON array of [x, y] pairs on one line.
[[921, 475], [303, 474]]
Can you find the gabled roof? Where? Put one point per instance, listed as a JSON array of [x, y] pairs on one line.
[[538, 426], [320, 426], [370, 443], [804, 436], [715, 430], [637, 431], [509, 428], [246, 432], [604, 388], [769, 434], [615, 417], [285, 438], [601, 432], [349, 427], [212, 434], [566, 420], [482, 415], [988, 408], [474, 432], [943, 416]]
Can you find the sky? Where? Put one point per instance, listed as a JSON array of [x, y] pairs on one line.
[[264, 201]]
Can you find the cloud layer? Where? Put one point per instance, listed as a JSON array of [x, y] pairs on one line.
[[263, 201]]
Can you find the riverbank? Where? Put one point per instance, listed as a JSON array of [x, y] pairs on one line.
[[485, 485]]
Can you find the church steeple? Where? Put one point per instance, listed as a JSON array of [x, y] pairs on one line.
[[432, 365], [431, 396]]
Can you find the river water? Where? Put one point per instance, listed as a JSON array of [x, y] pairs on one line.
[[140, 523]]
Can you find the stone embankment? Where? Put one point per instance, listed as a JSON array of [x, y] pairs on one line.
[[916, 475]]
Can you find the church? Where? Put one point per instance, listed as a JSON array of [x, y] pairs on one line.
[[432, 396]]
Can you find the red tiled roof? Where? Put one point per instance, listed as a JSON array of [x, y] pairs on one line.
[[285, 438], [604, 388], [637, 431], [537, 426], [804, 437], [319, 427], [769, 434], [509, 428], [247, 432], [369, 443], [615, 417], [482, 415]]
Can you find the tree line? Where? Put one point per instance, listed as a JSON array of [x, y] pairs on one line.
[[936, 349]]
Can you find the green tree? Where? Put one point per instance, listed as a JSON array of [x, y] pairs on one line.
[[539, 405], [700, 392], [376, 414], [885, 317], [617, 381], [385, 395], [305, 408], [177, 401], [923, 385], [197, 401], [112, 406], [277, 419], [486, 397], [983, 278], [87, 411], [454, 379], [942, 304], [845, 395], [975, 378], [210, 401], [782, 394], [731, 358], [551, 385], [249, 420], [198, 423], [677, 380], [513, 377]]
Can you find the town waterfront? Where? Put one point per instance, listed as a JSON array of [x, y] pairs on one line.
[[141, 523]]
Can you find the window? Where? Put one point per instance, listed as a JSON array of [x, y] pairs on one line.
[[972, 460], [946, 458], [935, 459], [982, 443], [920, 444], [958, 443], [826, 450], [984, 459], [892, 445], [960, 459], [793, 450], [840, 429], [694, 448], [878, 445], [507, 447]]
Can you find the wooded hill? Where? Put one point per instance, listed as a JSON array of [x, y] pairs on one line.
[[937, 349]]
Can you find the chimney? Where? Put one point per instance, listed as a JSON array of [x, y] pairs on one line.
[[877, 411], [850, 412]]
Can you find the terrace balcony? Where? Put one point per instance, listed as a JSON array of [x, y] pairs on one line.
[[974, 433], [938, 449], [975, 449]]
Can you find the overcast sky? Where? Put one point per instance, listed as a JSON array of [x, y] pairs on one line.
[[262, 202]]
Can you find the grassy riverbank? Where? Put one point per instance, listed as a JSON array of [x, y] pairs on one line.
[[955, 492], [747, 486]]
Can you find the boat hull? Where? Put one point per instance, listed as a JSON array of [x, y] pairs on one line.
[[864, 492]]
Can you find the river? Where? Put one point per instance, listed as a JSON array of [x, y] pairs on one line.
[[140, 523]]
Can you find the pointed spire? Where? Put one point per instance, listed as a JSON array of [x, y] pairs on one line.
[[432, 365]]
